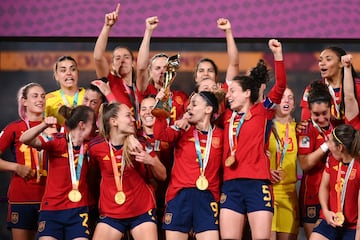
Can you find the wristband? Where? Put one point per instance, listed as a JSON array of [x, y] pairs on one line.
[[324, 147], [110, 97]]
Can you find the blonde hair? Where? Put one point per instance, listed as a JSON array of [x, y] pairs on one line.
[[23, 94], [107, 111]]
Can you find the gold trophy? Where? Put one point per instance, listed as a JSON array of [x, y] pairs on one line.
[[162, 108]]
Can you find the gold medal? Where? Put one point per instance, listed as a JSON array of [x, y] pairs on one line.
[[120, 197], [230, 161], [340, 218], [74, 195], [202, 183]]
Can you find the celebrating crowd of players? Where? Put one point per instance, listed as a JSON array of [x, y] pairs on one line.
[[98, 163]]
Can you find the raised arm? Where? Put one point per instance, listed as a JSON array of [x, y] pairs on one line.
[[143, 55], [232, 51], [101, 64], [351, 104], [29, 137], [277, 91]]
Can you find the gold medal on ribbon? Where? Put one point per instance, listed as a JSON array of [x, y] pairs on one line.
[[230, 161], [202, 183], [120, 197], [340, 218], [74, 195]]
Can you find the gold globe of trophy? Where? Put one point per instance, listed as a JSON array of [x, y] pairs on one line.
[[162, 108]]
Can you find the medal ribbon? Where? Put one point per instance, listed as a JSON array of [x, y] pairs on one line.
[[342, 188], [281, 148], [332, 93], [168, 120], [118, 176], [232, 141], [38, 157], [324, 135], [76, 98], [134, 102], [203, 162], [75, 172]]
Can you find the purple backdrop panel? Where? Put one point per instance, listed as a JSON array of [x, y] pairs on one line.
[[183, 18]]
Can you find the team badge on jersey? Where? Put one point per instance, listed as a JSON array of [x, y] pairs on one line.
[[168, 218], [352, 174], [179, 100], [304, 142], [215, 142], [311, 212], [223, 197], [41, 226], [14, 217]]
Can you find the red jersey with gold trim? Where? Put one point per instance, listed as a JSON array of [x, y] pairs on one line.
[[186, 169], [177, 102], [58, 183], [138, 192], [309, 140], [21, 191], [305, 112], [350, 210], [251, 159]]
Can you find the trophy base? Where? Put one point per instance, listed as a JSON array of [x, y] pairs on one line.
[[161, 109], [160, 113]]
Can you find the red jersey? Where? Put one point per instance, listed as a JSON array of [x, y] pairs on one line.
[[58, 184], [128, 95], [21, 191], [177, 100], [309, 140], [305, 112], [350, 209], [355, 122], [138, 192], [251, 159], [186, 168], [164, 151]]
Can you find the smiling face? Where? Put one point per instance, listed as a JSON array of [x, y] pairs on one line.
[[124, 121], [237, 97], [329, 64], [287, 104], [205, 70], [92, 99], [67, 74], [320, 113], [34, 102], [207, 85], [147, 119]]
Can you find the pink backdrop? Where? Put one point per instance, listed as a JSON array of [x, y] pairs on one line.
[[184, 18]]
